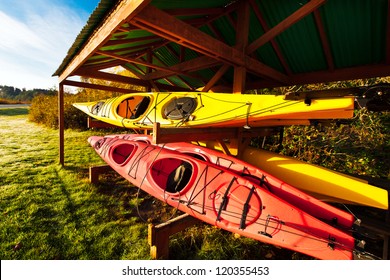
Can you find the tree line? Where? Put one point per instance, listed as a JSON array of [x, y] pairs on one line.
[[23, 95]]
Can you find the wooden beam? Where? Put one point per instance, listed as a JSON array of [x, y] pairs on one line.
[[111, 77], [93, 123], [187, 134], [61, 122], [195, 11], [284, 24], [158, 235], [360, 72], [239, 79], [133, 60], [122, 13], [216, 77], [324, 40], [181, 73], [266, 28], [192, 65], [95, 171], [242, 33], [170, 135], [94, 86], [131, 40], [171, 28]]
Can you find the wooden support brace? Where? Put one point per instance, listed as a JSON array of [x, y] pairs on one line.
[[95, 171], [184, 134], [158, 235], [93, 123]]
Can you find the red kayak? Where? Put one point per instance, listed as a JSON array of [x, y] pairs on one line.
[[222, 198], [298, 198]]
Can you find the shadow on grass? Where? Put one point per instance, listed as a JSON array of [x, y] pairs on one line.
[[13, 111]]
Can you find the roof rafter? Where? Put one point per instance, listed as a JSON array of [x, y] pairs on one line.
[[324, 40], [171, 28], [275, 46], [284, 24], [192, 65], [129, 41]]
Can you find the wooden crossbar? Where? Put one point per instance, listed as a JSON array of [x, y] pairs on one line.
[[158, 235]]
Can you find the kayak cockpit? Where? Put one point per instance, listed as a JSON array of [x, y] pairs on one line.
[[122, 152], [133, 107], [171, 175]]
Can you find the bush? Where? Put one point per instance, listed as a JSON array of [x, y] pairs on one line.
[[44, 110]]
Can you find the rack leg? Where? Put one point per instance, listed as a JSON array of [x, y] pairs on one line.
[[95, 171], [158, 235]]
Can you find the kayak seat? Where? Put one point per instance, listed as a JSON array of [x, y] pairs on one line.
[[141, 108], [179, 178]]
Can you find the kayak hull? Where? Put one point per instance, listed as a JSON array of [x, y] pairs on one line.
[[320, 182], [221, 198], [196, 109], [298, 198]]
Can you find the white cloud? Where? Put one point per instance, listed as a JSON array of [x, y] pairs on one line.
[[34, 41]]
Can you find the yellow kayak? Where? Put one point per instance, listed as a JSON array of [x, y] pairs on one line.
[[196, 109], [319, 182]]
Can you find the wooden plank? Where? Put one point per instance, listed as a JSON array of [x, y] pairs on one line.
[[93, 123], [324, 40], [216, 77], [111, 77], [95, 171], [239, 80], [124, 11], [192, 65], [242, 33], [133, 60], [284, 24], [61, 124], [158, 235], [275, 46], [358, 72], [170, 135], [184, 134], [95, 86]]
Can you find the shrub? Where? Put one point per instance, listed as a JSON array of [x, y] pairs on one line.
[[44, 109]]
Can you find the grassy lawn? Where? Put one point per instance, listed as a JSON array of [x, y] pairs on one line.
[[50, 212]]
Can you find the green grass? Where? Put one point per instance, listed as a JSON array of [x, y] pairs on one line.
[[50, 212]]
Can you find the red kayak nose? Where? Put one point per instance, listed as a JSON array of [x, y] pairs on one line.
[[92, 140]]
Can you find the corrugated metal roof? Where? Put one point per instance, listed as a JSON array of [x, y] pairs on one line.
[[354, 35]]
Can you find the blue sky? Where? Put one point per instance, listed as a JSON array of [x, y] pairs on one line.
[[35, 36]]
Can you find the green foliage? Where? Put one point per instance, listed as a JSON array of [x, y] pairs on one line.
[[12, 93], [360, 147]]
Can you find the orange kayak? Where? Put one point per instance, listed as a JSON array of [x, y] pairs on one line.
[[220, 197], [298, 198]]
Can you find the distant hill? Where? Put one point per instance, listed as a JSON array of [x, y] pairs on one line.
[[12, 93]]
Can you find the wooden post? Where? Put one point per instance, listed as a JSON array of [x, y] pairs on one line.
[[386, 243], [95, 171], [158, 235], [61, 123]]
